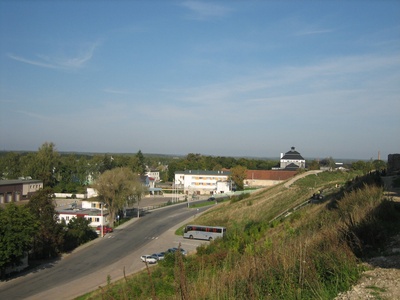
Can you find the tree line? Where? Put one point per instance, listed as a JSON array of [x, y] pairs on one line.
[[73, 172]]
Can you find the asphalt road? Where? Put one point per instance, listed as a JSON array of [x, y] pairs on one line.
[[109, 257]]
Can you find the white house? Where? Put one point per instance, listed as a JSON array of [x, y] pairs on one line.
[[153, 174], [292, 160], [202, 182], [90, 210], [91, 204]]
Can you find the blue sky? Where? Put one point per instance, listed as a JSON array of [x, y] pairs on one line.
[[228, 78]]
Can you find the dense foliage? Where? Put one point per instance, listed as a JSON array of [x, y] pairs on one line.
[[49, 238], [77, 232], [34, 228], [17, 228]]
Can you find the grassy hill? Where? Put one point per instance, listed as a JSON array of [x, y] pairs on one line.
[[278, 245]]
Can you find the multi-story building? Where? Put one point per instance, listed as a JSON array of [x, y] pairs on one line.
[[201, 182]]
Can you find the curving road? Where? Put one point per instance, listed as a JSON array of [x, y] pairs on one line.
[[109, 257]]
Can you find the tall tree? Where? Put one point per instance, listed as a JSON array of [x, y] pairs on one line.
[[17, 228], [107, 163], [238, 175], [46, 164], [49, 238], [141, 162], [116, 187]]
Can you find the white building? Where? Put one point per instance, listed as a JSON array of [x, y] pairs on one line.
[[292, 160], [153, 174], [201, 182], [90, 210]]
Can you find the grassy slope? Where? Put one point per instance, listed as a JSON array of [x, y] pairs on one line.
[[308, 255]]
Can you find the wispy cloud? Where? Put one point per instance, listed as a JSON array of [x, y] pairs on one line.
[[205, 10], [53, 62], [351, 80], [313, 32], [33, 62]]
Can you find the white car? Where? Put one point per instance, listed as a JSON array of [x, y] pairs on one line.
[[149, 259]]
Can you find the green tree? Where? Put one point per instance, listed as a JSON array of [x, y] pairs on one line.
[[141, 167], [195, 162], [107, 163], [49, 238], [379, 165], [116, 187], [10, 166], [177, 165], [17, 228], [362, 166], [328, 162], [45, 164], [314, 165], [78, 232], [238, 175], [72, 174], [28, 165]]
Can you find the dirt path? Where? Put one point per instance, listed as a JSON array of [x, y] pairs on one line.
[[297, 177], [382, 280]]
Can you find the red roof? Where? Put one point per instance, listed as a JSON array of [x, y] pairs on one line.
[[269, 174]]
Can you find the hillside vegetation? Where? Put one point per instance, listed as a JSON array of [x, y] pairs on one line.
[[307, 253]]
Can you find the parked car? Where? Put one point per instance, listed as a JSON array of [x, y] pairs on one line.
[[173, 250], [106, 229], [149, 259], [211, 199], [159, 256]]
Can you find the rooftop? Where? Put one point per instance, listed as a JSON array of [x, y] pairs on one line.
[[204, 172]]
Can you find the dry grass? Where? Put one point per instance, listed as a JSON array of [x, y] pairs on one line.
[[308, 255]]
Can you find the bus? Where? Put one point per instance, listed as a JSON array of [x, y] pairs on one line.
[[203, 232]]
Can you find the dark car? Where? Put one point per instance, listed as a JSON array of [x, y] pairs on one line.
[[173, 250], [211, 199], [158, 256]]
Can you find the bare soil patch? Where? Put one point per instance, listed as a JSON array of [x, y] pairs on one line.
[[382, 279]]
